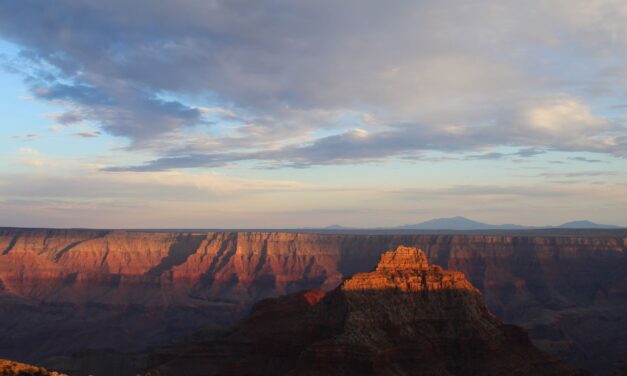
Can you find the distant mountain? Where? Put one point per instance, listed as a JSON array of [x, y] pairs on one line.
[[337, 227], [585, 224], [459, 223]]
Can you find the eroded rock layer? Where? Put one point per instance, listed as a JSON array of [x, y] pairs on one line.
[[404, 318], [62, 291]]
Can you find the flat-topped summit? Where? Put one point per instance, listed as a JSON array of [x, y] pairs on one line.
[[407, 269], [403, 258]]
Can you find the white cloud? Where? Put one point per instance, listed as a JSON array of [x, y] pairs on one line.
[[33, 158], [567, 124], [565, 118]]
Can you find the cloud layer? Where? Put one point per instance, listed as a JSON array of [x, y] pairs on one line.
[[299, 83], [181, 200]]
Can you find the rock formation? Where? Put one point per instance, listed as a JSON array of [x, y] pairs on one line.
[[64, 291], [404, 318], [11, 368]]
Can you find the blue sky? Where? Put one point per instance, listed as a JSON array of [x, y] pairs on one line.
[[287, 114]]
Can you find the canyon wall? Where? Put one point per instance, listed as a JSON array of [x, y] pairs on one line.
[[62, 291]]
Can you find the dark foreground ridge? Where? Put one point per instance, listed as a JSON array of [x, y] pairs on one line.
[[403, 318]]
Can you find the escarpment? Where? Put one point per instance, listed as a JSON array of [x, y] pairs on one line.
[[403, 318], [63, 291]]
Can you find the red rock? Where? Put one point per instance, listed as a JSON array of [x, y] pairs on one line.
[[11, 368], [128, 290]]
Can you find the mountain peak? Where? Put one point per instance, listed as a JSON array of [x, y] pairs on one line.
[[336, 227], [457, 223]]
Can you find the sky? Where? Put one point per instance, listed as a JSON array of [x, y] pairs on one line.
[[275, 114]]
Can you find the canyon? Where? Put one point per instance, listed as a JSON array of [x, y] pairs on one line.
[[65, 292], [404, 318]]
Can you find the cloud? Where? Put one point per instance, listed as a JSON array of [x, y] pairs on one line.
[[67, 118], [191, 200], [563, 124], [578, 174], [554, 118], [86, 134], [287, 83], [522, 153], [170, 186], [26, 137], [583, 159], [31, 157]]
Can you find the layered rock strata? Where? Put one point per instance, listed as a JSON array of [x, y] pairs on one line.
[[63, 291]]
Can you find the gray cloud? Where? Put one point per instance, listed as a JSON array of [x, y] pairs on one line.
[[523, 153], [89, 134], [67, 118], [418, 75], [26, 137], [578, 174], [359, 146], [583, 159]]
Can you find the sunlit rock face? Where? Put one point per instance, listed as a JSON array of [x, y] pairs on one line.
[[403, 318], [11, 368], [62, 291], [406, 269]]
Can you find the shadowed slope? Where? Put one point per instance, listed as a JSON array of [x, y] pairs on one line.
[[180, 250]]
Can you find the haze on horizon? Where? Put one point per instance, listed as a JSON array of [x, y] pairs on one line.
[[248, 114]]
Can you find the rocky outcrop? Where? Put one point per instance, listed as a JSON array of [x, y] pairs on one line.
[[404, 318], [11, 368], [62, 291]]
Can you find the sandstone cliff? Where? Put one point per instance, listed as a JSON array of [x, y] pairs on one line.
[[404, 318], [62, 291]]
